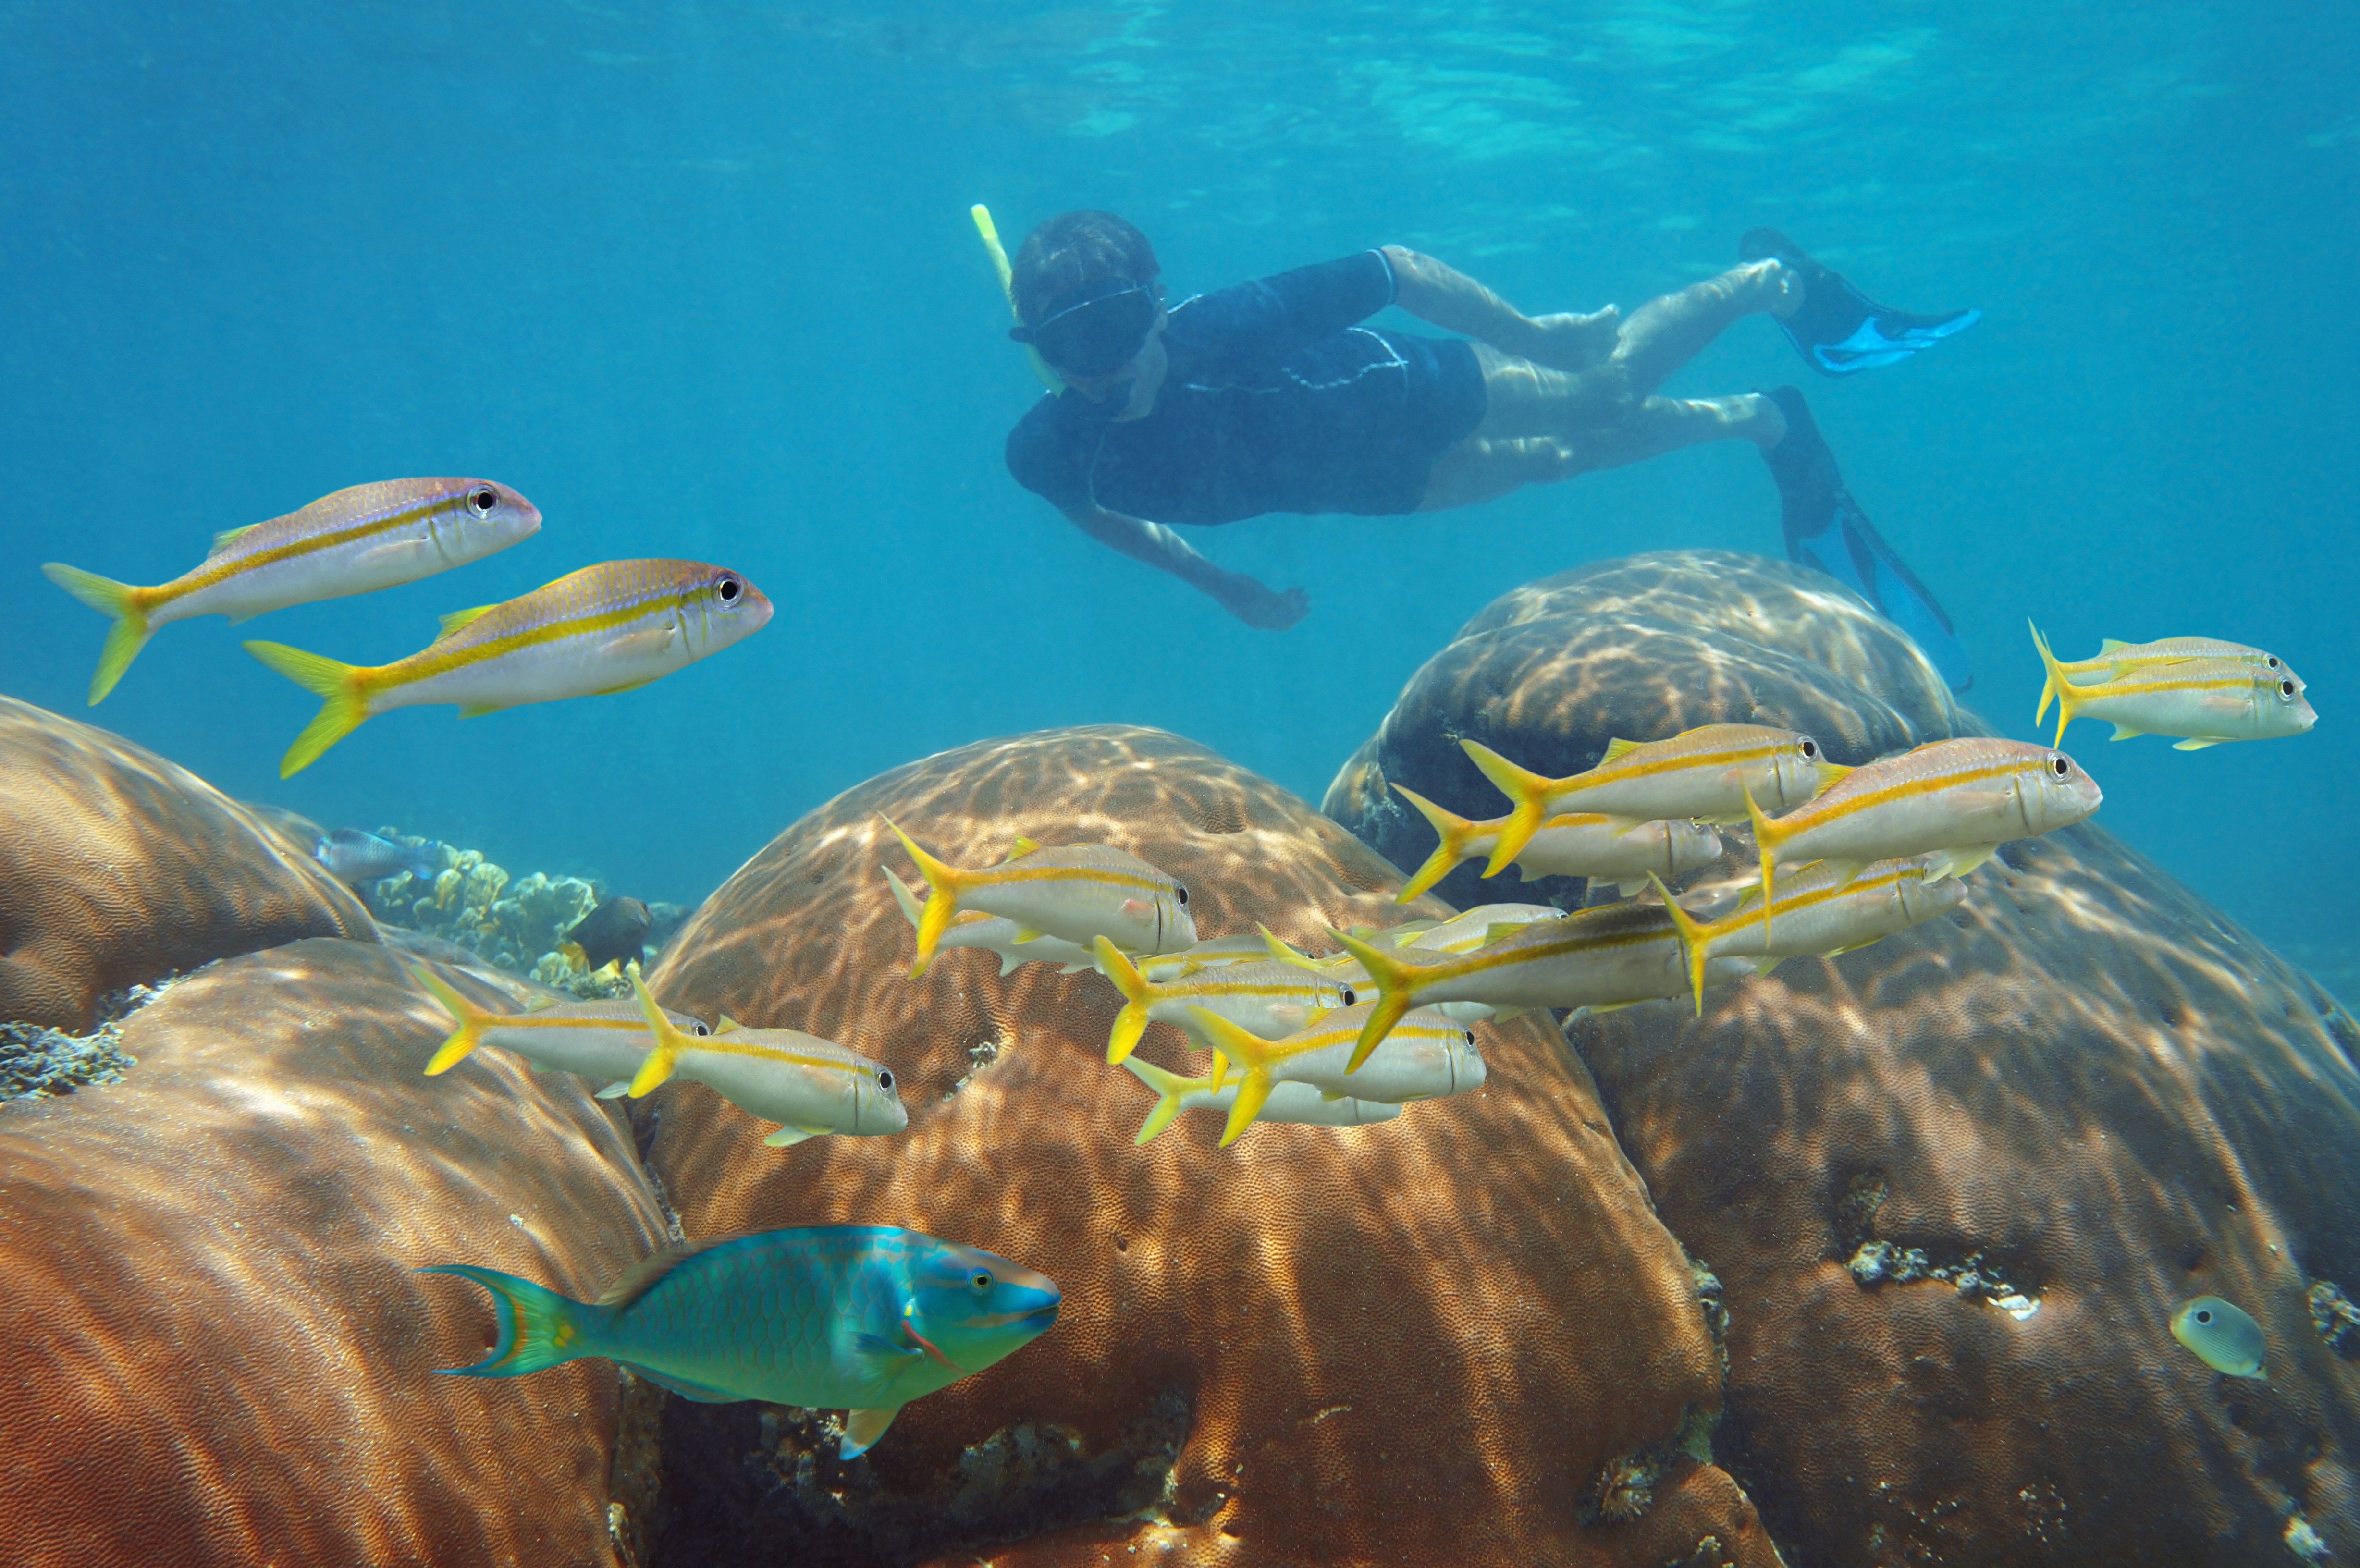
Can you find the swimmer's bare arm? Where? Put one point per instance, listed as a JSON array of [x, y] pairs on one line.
[[1456, 302], [1159, 547]]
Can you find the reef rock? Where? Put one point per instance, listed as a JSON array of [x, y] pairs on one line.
[[1642, 647], [217, 1353], [1956, 1184], [1460, 1336], [118, 868]]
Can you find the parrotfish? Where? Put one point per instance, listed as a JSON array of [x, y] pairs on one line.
[[1704, 773], [2116, 658], [813, 1086], [1957, 801], [1076, 893], [1603, 958], [1302, 1104], [859, 1318], [353, 855], [1426, 1057], [605, 628], [615, 931], [993, 934], [2224, 1335], [2207, 701], [603, 1041], [1819, 911], [1573, 843], [1269, 998], [356, 541]]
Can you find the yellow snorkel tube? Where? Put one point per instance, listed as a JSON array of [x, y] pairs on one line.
[[990, 232]]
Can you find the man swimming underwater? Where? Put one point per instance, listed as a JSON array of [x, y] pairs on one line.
[[1271, 396]]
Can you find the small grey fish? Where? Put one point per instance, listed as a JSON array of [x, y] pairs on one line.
[[614, 929], [352, 855]]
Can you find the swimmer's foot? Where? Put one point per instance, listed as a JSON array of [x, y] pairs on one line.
[[1839, 328], [1827, 533]]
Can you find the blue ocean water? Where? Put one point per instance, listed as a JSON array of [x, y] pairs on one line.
[[699, 280]]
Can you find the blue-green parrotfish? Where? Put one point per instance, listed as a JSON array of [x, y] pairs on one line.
[[2223, 1334], [858, 1318]]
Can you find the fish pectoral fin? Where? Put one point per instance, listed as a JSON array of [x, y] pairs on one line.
[[1330, 1095], [478, 710], [1630, 890], [1026, 933], [863, 1428], [2195, 743], [704, 1394], [1068, 969], [877, 1345], [626, 686], [536, 1004], [1627, 824], [788, 1136], [1843, 871], [2124, 731], [649, 644], [1137, 909], [1763, 965], [614, 1091], [1959, 862]]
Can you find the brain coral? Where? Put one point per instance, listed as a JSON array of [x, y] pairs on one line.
[[2084, 1093], [1457, 1337], [216, 1352], [116, 868]]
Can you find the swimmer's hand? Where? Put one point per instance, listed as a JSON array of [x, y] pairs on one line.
[[1570, 342], [1258, 606]]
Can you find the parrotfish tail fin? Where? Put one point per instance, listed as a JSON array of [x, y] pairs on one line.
[[1840, 330], [1454, 830], [537, 1327], [912, 909], [426, 861], [470, 1019], [665, 1056], [120, 600], [862, 1429], [1394, 996], [1695, 941], [941, 904], [2056, 685], [1169, 1087], [1766, 840], [1131, 1022], [1826, 531], [1248, 1048], [1528, 793], [345, 706]]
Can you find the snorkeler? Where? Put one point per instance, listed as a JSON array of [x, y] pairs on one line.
[[1271, 396]]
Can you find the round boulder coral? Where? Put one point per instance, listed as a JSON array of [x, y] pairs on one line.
[[1423, 1341]]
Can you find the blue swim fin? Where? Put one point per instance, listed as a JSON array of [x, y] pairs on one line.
[[1840, 330], [1826, 531]]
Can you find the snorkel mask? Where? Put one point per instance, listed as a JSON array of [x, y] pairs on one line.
[[1095, 331]]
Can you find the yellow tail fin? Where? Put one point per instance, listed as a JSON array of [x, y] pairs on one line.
[[1132, 1022], [345, 706], [1527, 790], [2056, 684], [1454, 830], [989, 233], [1168, 1086], [124, 639], [942, 904], [1395, 995], [470, 1019], [660, 1060], [1695, 939], [1766, 840], [1253, 1091], [2049, 685]]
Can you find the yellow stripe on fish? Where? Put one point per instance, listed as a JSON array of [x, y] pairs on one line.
[[353, 541], [1431, 1056], [605, 628], [1269, 998], [2206, 701], [1571, 844], [2116, 658], [993, 934], [811, 1085], [1962, 798], [605, 1040], [1304, 1105], [1703, 773], [1819, 913], [1076, 893]]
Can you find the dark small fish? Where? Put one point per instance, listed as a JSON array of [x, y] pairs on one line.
[[613, 931], [352, 855]]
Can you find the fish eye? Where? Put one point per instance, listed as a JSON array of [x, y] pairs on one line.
[[1181, 892], [885, 1079], [981, 1280], [2205, 1316], [699, 1027], [2271, 660], [1470, 1034], [1811, 748], [2061, 767], [1348, 995], [2286, 688], [728, 588], [483, 500]]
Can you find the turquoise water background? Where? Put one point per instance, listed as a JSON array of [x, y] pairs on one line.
[[699, 280]]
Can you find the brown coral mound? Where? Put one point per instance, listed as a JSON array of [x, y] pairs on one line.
[[1418, 1341], [118, 868], [2085, 1091], [216, 1352], [1641, 648]]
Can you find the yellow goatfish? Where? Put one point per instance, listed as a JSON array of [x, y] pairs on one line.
[[1302, 1103], [1079, 892], [1956, 800], [993, 934], [815, 1086], [2117, 659], [604, 629], [1429, 1056], [1603, 958], [1703, 773], [355, 541], [1214, 952], [1269, 998], [605, 1040], [1817, 915], [2207, 701], [1573, 843]]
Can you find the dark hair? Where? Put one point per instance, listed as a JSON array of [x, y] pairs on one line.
[[1073, 251]]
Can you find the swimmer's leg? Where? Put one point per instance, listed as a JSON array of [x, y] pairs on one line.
[[1664, 334], [1482, 468], [1826, 531]]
